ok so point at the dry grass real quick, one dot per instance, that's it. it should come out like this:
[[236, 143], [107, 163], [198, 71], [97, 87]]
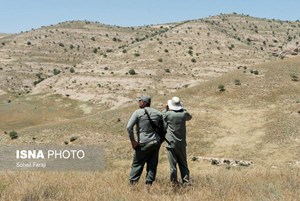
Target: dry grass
[[214, 183]]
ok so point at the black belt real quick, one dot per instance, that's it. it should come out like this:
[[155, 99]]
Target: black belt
[[148, 143]]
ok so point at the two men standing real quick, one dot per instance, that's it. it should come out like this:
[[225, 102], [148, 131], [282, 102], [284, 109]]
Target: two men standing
[[147, 145]]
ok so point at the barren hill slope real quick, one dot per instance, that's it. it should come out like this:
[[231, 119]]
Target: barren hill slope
[[91, 62], [256, 118]]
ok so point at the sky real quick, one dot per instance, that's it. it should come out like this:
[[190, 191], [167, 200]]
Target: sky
[[24, 15]]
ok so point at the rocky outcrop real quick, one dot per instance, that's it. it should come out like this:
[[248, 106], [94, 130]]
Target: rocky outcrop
[[223, 161]]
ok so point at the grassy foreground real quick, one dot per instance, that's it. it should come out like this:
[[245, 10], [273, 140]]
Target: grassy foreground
[[209, 183]]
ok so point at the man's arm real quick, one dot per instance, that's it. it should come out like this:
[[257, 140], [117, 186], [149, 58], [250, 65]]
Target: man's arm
[[188, 116], [130, 125]]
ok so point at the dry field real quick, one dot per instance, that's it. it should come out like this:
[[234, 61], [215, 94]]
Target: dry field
[[256, 118]]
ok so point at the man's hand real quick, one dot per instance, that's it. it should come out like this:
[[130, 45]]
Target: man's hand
[[134, 144]]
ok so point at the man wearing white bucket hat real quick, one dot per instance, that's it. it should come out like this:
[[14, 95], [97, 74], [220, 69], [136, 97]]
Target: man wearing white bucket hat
[[175, 117]]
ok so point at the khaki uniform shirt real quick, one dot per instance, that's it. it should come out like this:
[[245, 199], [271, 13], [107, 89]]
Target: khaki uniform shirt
[[144, 130], [175, 122]]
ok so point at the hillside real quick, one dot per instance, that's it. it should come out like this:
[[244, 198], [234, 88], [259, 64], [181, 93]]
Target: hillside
[[256, 120], [89, 61], [256, 117]]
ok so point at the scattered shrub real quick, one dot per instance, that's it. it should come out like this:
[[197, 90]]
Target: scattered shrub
[[193, 60], [160, 60], [13, 135], [167, 70], [237, 82], [72, 70], [294, 78], [56, 72], [221, 87], [132, 72]]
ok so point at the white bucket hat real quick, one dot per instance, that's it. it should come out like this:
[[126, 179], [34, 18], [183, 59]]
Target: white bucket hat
[[175, 104]]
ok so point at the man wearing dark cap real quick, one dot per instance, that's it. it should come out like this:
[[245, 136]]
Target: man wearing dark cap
[[147, 144]]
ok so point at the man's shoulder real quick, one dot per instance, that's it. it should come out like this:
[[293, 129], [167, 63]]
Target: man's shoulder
[[153, 110], [139, 111]]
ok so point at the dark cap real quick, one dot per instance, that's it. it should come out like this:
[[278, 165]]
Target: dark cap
[[144, 98]]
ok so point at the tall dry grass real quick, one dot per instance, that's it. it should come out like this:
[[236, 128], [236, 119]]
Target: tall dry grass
[[214, 183]]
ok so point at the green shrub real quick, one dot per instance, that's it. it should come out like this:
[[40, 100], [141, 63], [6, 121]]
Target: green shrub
[[137, 54], [294, 78], [13, 135], [167, 70], [56, 72], [160, 60], [132, 72], [237, 82], [72, 70], [221, 87], [193, 60]]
